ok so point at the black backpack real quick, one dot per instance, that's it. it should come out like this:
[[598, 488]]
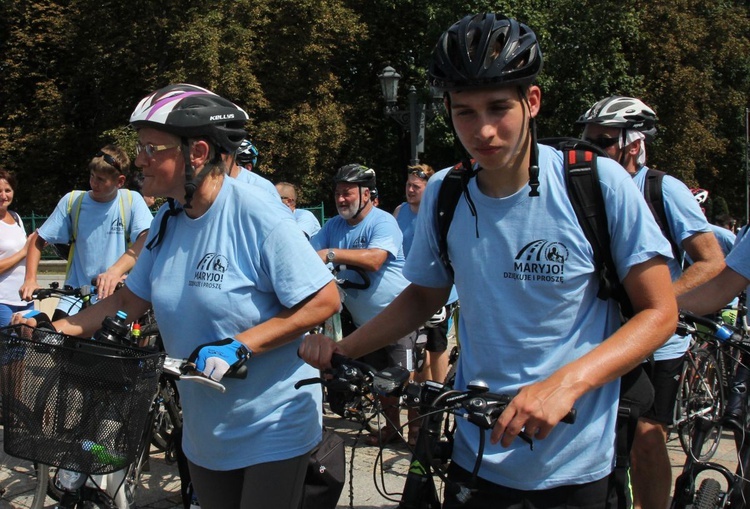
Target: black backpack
[[584, 190]]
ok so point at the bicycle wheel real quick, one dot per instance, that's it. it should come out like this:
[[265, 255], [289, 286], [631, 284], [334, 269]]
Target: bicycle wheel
[[707, 496], [40, 490], [701, 395]]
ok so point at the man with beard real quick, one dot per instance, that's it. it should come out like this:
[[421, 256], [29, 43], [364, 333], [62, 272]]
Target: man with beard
[[366, 237]]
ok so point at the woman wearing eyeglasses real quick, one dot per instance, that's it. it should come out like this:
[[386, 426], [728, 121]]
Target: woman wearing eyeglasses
[[105, 227], [232, 282]]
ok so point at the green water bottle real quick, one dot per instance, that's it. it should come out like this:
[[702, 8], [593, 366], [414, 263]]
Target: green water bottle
[[101, 454]]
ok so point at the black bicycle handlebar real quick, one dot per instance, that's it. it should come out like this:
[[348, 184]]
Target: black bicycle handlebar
[[346, 283], [720, 330]]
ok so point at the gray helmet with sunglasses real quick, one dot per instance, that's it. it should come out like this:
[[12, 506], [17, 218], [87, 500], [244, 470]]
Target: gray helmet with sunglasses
[[622, 113]]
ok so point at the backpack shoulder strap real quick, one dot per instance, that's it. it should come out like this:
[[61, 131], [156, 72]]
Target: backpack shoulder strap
[[75, 199], [16, 218], [74, 210], [126, 207], [652, 191], [585, 193], [451, 189]]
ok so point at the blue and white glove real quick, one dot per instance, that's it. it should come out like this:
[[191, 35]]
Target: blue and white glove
[[216, 358]]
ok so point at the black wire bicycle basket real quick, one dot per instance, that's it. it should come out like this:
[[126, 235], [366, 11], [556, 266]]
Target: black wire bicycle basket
[[74, 403]]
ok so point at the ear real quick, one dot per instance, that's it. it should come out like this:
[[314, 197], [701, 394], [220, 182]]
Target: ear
[[199, 153], [120, 181], [534, 96]]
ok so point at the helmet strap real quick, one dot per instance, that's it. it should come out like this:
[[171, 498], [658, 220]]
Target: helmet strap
[[534, 155], [190, 184], [361, 204]]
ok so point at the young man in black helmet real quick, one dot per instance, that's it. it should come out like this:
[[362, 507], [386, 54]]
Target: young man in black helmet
[[369, 238], [622, 126], [531, 324]]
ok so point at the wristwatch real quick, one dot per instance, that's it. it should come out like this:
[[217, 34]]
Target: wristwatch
[[330, 255]]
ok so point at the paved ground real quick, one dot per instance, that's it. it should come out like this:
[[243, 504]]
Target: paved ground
[[160, 489]]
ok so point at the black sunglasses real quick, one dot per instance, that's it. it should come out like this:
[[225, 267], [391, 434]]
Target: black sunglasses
[[602, 142], [420, 174], [110, 160]]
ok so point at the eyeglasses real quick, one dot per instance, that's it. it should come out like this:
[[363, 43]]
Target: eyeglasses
[[603, 142], [152, 150], [287, 199], [110, 160], [420, 174]]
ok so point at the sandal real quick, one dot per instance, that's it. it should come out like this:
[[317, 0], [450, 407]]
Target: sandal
[[382, 438]]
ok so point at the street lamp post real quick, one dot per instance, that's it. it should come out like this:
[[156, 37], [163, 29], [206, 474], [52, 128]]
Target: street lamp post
[[413, 119]]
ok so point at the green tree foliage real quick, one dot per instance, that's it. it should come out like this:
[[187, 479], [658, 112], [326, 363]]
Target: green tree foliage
[[306, 72]]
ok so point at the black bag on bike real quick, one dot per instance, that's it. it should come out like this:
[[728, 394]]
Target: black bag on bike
[[326, 471]]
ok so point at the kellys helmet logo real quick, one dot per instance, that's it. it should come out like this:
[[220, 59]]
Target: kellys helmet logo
[[209, 273], [540, 260]]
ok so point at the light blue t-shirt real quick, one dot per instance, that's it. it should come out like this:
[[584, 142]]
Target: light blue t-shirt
[[252, 178], [407, 220], [685, 219], [378, 230], [307, 221], [527, 289], [739, 258], [100, 240], [238, 265]]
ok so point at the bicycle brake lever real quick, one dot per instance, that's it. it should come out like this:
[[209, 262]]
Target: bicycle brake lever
[[308, 381]]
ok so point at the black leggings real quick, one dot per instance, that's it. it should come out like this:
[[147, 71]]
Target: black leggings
[[274, 484]]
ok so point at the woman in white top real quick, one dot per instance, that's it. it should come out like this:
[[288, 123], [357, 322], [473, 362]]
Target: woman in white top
[[12, 252]]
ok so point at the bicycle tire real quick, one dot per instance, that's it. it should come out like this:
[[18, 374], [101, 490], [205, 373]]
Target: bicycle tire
[[702, 393], [40, 490], [707, 496], [167, 419]]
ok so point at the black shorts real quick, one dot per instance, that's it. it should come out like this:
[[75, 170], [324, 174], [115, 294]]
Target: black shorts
[[665, 377], [593, 495]]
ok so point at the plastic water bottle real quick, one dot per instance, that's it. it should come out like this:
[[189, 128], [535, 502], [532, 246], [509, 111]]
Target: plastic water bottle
[[102, 455], [723, 333], [114, 329]]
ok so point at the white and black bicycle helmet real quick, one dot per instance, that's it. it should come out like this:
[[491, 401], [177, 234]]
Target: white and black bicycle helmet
[[485, 50], [700, 195], [622, 113]]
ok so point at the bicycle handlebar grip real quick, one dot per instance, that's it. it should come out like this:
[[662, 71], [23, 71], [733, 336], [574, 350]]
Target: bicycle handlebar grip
[[240, 372], [41, 293], [570, 418], [364, 285]]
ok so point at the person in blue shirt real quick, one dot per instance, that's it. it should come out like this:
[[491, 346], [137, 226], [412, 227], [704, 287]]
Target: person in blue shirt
[[364, 236], [232, 281], [105, 243], [305, 219], [622, 126], [531, 324]]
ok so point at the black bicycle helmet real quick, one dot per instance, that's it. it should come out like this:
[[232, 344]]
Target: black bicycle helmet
[[622, 113], [485, 50], [356, 174]]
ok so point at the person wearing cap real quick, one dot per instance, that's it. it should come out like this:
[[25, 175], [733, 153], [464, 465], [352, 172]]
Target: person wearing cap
[[232, 283], [105, 243], [622, 126], [531, 324]]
